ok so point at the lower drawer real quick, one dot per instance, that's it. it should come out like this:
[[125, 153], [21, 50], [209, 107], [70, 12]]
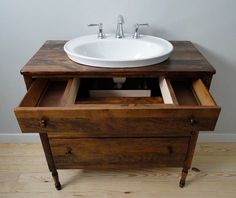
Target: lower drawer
[[118, 152]]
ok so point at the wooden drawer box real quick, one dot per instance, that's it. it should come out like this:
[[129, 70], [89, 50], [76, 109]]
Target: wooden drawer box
[[118, 152], [62, 106]]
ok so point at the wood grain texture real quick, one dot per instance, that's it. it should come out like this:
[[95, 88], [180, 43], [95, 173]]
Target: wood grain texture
[[188, 158], [114, 120], [52, 95], [70, 92], [34, 94], [50, 160], [119, 152], [124, 132], [51, 59], [172, 93], [122, 100], [117, 121], [202, 93], [24, 174]]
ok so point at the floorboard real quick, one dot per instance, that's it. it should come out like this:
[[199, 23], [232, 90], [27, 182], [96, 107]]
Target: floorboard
[[24, 173]]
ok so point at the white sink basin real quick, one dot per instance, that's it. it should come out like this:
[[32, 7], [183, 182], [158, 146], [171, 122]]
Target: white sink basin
[[118, 53]]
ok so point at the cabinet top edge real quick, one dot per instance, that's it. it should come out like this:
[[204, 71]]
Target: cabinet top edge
[[51, 60]]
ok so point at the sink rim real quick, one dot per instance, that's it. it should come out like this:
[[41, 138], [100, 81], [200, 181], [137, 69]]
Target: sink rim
[[110, 37]]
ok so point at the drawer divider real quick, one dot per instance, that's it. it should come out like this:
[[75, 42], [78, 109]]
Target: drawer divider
[[167, 91], [70, 92], [202, 93]]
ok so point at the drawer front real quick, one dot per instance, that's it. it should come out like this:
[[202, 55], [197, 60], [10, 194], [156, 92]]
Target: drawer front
[[122, 152], [54, 110]]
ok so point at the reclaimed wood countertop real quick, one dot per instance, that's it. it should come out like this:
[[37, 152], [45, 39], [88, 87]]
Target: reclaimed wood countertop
[[51, 59]]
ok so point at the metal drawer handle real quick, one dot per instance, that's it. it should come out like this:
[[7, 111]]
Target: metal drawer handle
[[43, 123]]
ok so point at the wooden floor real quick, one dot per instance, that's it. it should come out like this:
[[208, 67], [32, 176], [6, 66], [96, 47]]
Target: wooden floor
[[24, 173]]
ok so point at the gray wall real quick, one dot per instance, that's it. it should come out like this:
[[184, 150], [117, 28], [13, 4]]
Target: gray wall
[[26, 24]]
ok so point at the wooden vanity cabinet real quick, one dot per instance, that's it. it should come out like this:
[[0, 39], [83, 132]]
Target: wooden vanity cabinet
[[79, 131]]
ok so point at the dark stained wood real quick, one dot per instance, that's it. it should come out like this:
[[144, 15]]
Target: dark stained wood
[[53, 94], [117, 132], [28, 81], [184, 93], [188, 157], [116, 120], [34, 93], [67, 134], [51, 60], [119, 152], [50, 160], [122, 101], [207, 81]]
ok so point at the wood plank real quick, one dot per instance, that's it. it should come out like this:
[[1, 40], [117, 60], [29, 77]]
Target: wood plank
[[122, 101], [51, 59], [203, 94], [118, 152], [172, 93], [184, 93], [29, 176], [34, 93], [52, 94], [117, 120], [166, 95], [70, 93]]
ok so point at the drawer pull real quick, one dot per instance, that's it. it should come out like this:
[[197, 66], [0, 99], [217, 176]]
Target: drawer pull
[[43, 123], [68, 151], [192, 121], [170, 150]]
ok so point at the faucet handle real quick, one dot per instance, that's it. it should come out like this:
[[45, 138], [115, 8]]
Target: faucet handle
[[101, 34], [120, 19], [136, 31]]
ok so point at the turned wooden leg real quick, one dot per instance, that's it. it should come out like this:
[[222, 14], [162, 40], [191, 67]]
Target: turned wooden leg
[[56, 180], [188, 158], [183, 178], [50, 161]]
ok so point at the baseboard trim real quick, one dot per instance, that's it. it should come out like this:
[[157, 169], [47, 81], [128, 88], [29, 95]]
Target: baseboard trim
[[34, 138], [217, 137], [19, 138]]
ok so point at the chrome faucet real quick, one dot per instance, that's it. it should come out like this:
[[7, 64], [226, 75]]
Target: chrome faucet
[[120, 30], [136, 31], [101, 34]]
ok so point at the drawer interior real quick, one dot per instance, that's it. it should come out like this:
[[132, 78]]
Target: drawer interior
[[56, 93], [52, 94], [106, 91], [184, 93], [52, 105]]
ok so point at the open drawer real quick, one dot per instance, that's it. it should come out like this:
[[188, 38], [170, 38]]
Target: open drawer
[[66, 106]]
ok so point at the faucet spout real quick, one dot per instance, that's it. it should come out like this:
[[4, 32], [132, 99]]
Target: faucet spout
[[120, 30]]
